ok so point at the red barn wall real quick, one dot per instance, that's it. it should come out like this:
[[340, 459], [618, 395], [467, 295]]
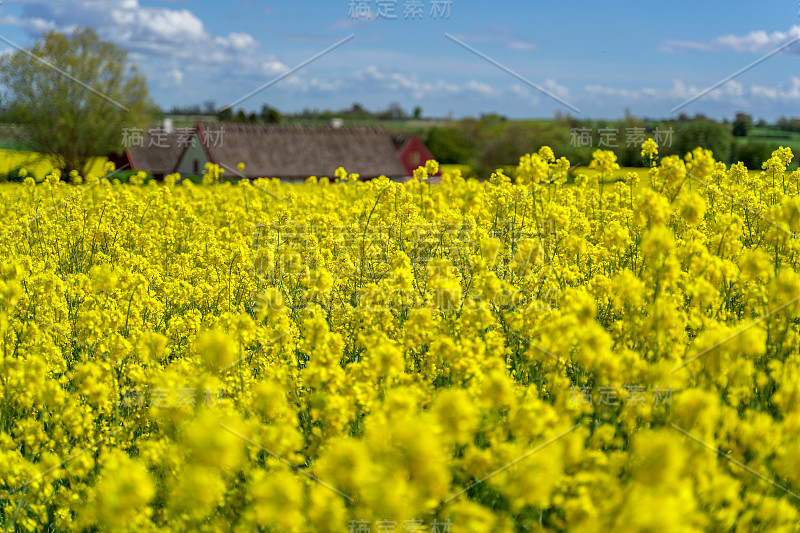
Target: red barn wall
[[414, 154]]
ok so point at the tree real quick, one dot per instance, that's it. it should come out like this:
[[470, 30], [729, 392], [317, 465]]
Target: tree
[[270, 115], [505, 146], [358, 110], [449, 145], [742, 124], [417, 112], [628, 154], [74, 96], [752, 153], [707, 134], [394, 112], [458, 142]]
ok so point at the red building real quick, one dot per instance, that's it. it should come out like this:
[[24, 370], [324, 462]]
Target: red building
[[411, 150]]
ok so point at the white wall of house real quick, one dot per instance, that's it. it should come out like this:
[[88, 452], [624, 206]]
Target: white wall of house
[[194, 159]]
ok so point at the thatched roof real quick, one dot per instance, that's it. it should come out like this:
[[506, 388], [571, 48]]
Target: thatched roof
[[158, 153], [400, 139], [297, 152]]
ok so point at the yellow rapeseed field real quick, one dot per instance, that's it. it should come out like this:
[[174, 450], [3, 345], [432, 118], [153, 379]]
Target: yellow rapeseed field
[[36, 165], [501, 356]]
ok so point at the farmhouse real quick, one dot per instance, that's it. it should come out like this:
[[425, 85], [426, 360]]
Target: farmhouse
[[291, 153], [155, 151]]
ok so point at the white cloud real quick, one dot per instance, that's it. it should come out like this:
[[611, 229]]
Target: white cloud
[[779, 94], [498, 34], [152, 31], [273, 68], [34, 25], [240, 42], [521, 45], [732, 92], [372, 76], [600, 90], [347, 24], [328, 86], [554, 87], [755, 42], [482, 89], [524, 93], [177, 76], [172, 46]]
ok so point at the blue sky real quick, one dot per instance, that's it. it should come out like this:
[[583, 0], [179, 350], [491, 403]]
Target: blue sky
[[598, 57]]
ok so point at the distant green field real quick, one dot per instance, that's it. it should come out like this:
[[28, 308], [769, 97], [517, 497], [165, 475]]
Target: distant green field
[[12, 144], [789, 139]]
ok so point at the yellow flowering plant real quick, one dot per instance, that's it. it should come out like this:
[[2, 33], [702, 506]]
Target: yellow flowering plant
[[515, 354]]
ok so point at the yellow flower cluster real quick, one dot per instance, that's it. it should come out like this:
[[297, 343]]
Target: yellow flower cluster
[[517, 354]]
